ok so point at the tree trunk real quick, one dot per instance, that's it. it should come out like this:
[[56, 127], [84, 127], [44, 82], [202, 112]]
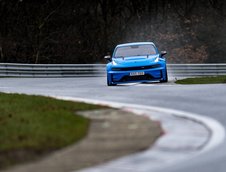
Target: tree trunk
[[1, 54], [37, 57]]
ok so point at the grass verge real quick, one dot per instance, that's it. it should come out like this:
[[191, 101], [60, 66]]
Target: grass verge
[[203, 80], [31, 126]]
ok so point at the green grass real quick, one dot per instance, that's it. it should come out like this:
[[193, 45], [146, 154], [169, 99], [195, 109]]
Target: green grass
[[203, 80], [35, 125]]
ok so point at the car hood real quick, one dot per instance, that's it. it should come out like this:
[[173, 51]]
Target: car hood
[[134, 60]]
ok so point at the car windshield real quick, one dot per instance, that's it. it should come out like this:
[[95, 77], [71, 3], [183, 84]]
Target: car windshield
[[135, 50]]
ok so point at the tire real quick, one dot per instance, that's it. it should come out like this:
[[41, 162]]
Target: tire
[[164, 79], [109, 83]]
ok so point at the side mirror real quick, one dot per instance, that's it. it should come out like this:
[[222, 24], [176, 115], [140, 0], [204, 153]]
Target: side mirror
[[163, 53], [108, 58]]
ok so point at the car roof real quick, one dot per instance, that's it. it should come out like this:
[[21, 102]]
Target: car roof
[[135, 43]]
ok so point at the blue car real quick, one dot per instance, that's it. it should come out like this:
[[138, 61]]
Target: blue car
[[136, 62]]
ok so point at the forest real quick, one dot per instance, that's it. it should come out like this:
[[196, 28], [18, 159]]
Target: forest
[[83, 31]]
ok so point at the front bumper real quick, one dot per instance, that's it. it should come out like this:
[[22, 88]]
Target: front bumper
[[124, 76]]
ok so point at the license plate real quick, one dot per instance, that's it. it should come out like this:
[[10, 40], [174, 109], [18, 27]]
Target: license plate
[[136, 73]]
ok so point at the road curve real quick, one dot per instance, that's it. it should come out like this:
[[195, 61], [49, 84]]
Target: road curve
[[206, 100]]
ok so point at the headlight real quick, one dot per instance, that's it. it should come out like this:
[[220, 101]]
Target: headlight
[[114, 63], [157, 59]]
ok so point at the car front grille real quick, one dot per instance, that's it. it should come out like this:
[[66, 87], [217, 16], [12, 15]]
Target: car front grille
[[136, 78], [136, 68]]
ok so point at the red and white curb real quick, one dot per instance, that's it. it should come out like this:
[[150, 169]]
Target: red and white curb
[[186, 135]]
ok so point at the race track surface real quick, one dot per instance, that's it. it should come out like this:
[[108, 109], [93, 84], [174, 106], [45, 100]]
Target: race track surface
[[206, 100]]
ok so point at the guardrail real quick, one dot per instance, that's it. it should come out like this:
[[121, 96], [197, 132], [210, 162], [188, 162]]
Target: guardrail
[[196, 70], [51, 70], [93, 70]]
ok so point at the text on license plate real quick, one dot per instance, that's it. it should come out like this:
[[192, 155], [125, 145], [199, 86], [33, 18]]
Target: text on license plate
[[136, 73]]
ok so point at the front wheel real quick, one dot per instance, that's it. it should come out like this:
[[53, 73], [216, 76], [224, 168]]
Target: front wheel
[[109, 83], [165, 79]]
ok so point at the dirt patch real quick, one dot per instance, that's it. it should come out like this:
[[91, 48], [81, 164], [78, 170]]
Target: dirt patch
[[20, 156], [112, 134]]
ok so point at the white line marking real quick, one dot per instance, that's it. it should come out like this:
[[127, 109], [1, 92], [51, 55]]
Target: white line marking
[[124, 164]]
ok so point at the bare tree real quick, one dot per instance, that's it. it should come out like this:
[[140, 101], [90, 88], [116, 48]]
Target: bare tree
[[40, 39], [184, 7], [219, 6]]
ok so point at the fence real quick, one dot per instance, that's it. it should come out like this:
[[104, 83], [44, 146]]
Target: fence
[[93, 70]]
